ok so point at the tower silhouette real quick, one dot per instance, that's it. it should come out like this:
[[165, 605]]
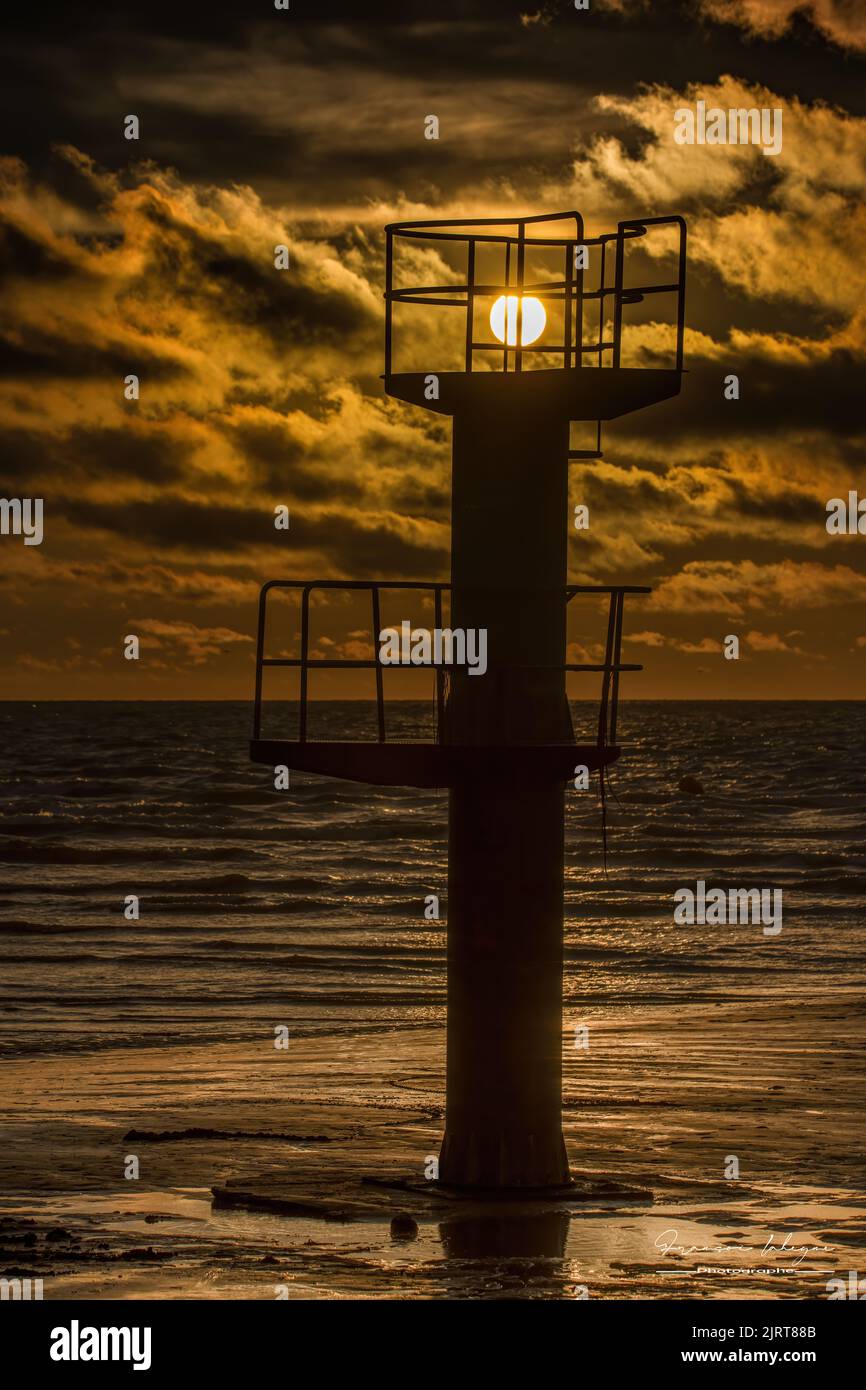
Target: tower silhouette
[[505, 745]]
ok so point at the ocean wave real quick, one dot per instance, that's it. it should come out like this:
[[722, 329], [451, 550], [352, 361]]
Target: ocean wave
[[311, 901], [23, 852]]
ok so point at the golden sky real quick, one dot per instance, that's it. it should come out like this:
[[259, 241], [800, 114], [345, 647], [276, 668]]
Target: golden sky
[[261, 387]]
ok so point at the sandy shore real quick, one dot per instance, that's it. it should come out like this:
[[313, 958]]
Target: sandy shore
[[661, 1101]]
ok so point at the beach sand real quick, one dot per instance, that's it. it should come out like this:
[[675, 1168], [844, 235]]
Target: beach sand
[[661, 1101]]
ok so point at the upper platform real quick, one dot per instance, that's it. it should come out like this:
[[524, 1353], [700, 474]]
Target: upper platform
[[531, 311], [573, 393]]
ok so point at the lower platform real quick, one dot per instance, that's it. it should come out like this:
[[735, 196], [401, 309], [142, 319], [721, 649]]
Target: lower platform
[[431, 764]]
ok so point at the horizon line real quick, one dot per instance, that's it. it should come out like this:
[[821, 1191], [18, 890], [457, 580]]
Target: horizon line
[[423, 700]]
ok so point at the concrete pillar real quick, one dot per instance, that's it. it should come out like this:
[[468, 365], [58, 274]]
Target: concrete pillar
[[505, 882]]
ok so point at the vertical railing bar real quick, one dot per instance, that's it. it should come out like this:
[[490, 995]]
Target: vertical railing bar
[[617, 295], [389, 271], [305, 641], [681, 297], [470, 302], [521, 277], [569, 272], [260, 652], [578, 325], [601, 302], [507, 287], [617, 649], [380, 689], [605, 684], [440, 674]]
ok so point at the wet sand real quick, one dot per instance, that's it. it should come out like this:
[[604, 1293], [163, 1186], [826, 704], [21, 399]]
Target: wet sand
[[660, 1103]]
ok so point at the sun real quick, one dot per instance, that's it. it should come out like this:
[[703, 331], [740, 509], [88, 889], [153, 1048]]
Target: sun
[[503, 319]]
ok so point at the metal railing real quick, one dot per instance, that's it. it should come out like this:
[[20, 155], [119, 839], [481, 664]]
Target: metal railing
[[570, 289], [610, 669]]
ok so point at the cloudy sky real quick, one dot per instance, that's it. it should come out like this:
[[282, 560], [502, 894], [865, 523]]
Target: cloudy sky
[[261, 387]]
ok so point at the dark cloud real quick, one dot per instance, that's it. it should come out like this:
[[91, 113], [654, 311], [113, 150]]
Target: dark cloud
[[45, 355], [420, 497], [175, 523], [775, 398], [369, 548], [89, 455], [369, 73], [281, 464], [21, 256], [261, 387], [243, 286]]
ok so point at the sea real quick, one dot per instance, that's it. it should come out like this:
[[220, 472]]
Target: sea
[[308, 904]]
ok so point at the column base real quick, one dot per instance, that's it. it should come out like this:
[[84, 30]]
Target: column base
[[504, 1160]]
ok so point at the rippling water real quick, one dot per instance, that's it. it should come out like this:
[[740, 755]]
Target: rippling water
[[311, 900]]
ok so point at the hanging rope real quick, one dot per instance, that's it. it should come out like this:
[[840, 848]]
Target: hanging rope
[[601, 784], [605, 782]]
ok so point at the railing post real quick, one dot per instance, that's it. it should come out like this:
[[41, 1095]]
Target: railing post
[[569, 272], [389, 272], [470, 301], [507, 287], [681, 294], [577, 306], [521, 277], [260, 652], [602, 300], [617, 294]]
